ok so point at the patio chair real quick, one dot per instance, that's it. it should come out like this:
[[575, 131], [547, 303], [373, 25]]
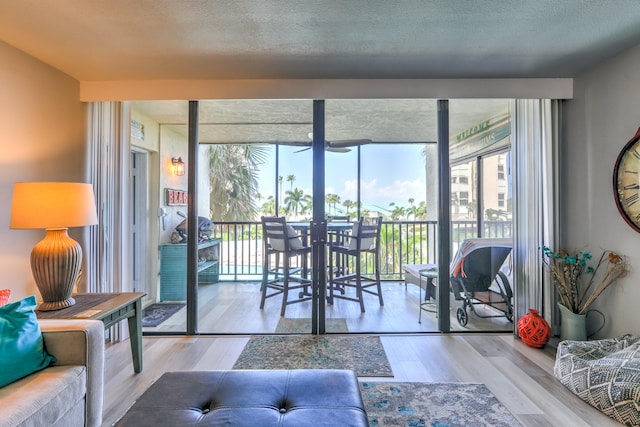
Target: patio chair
[[282, 241], [364, 239]]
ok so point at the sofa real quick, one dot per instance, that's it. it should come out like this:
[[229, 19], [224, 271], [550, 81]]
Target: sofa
[[70, 391]]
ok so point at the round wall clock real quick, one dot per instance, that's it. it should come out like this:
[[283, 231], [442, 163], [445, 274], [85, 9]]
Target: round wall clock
[[626, 182]]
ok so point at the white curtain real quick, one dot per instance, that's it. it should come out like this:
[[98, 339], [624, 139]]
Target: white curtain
[[107, 253], [536, 205]]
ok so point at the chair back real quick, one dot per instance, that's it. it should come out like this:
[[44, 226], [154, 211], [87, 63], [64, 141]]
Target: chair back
[[365, 235], [277, 235]]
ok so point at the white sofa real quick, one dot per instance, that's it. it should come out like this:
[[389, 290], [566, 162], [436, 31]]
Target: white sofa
[[68, 393]]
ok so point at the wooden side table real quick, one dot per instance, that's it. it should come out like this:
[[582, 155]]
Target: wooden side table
[[110, 308]]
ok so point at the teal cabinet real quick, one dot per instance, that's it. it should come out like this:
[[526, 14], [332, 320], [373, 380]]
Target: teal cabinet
[[173, 268]]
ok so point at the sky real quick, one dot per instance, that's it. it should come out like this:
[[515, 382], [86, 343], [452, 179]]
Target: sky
[[387, 175]]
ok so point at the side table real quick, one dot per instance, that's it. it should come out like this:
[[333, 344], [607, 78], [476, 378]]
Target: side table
[[428, 274], [110, 308]]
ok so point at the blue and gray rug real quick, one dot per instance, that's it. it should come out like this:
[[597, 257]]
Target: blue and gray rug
[[288, 325], [433, 405], [362, 354]]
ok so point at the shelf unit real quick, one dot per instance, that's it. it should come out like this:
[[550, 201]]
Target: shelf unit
[[173, 268]]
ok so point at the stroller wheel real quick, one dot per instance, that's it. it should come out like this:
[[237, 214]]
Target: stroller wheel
[[461, 314]]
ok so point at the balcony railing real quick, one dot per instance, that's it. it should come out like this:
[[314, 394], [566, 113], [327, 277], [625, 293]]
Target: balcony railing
[[402, 242]]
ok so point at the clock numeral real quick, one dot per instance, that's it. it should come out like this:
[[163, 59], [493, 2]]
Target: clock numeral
[[632, 199], [633, 172], [632, 187], [635, 153], [637, 218]]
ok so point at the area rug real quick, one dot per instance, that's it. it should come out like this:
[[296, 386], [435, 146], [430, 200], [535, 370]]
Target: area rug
[[155, 314], [362, 354], [303, 325], [433, 405]]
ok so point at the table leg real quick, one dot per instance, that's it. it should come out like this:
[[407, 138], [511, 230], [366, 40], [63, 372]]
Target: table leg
[[135, 336]]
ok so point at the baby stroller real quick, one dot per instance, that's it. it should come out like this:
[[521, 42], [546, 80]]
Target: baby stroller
[[477, 279]]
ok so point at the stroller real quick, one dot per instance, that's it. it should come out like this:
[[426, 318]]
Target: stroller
[[477, 279]]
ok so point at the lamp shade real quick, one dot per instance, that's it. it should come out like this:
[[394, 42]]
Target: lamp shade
[[52, 205]]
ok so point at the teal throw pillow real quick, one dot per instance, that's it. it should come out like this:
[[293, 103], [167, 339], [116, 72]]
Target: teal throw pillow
[[21, 345]]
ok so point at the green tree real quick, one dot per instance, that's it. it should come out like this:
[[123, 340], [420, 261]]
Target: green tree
[[290, 179], [233, 181], [397, 213], [348, 204], [332, 200], [307, 204], [293, 200], [269, 207]]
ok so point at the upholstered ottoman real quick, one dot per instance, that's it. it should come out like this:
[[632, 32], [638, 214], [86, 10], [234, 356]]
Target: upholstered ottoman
[[604, 373], [295, 398]]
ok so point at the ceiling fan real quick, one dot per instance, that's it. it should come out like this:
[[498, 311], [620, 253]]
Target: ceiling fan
[[338, 146]]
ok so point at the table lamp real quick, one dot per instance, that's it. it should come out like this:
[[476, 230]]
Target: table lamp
[[57, 259]]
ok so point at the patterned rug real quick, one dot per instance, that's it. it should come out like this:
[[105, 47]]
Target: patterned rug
[[303, 325], [362, 354], [155, 314], [433, 405]]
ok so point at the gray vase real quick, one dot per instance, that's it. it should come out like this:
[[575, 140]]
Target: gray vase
[[572, 326]]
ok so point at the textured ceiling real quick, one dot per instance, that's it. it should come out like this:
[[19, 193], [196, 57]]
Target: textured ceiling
[[94, 40], [107, 40]]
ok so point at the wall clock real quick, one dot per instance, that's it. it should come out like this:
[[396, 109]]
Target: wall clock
[[626, 182]]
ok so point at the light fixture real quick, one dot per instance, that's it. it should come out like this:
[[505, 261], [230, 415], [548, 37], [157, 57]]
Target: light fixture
[[55, 260], [178, 166]]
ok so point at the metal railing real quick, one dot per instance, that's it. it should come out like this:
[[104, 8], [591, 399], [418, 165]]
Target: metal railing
[[401, 242]]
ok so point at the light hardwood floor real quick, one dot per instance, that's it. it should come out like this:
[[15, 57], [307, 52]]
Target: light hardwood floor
[[521, 377], [233, 308]]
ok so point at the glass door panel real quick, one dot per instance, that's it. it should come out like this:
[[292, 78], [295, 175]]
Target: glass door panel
[[481, 221], [385, 168], [254, 161]]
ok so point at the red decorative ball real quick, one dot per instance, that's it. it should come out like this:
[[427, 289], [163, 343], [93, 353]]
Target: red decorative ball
[[533, 329]]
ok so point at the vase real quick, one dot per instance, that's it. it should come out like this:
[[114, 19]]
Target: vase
[[533, 330], [573, 326]]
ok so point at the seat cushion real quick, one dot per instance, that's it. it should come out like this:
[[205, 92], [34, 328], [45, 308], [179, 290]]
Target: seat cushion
[[44, 398], [603, 373]]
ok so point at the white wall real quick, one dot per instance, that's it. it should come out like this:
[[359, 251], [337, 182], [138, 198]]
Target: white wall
[[42, 138], [603, 115]]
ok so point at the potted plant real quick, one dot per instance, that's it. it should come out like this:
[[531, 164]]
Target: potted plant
[[567, 271]]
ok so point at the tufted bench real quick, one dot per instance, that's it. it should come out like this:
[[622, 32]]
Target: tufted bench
[[295, 398]]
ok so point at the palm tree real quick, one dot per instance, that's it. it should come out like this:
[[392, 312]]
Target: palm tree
[[269, 207], [420, 210], [290, 179], [348, 204], [307, 204], [332, 200], [293, 200], [233, 181], [397, 212]]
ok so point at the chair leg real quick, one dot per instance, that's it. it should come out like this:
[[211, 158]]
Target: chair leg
[[377, 267], [330, 299], [265, 279], [359, 285], [285, 285]]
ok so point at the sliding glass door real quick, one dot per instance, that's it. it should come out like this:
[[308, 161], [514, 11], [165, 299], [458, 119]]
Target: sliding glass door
[[317, 162]]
